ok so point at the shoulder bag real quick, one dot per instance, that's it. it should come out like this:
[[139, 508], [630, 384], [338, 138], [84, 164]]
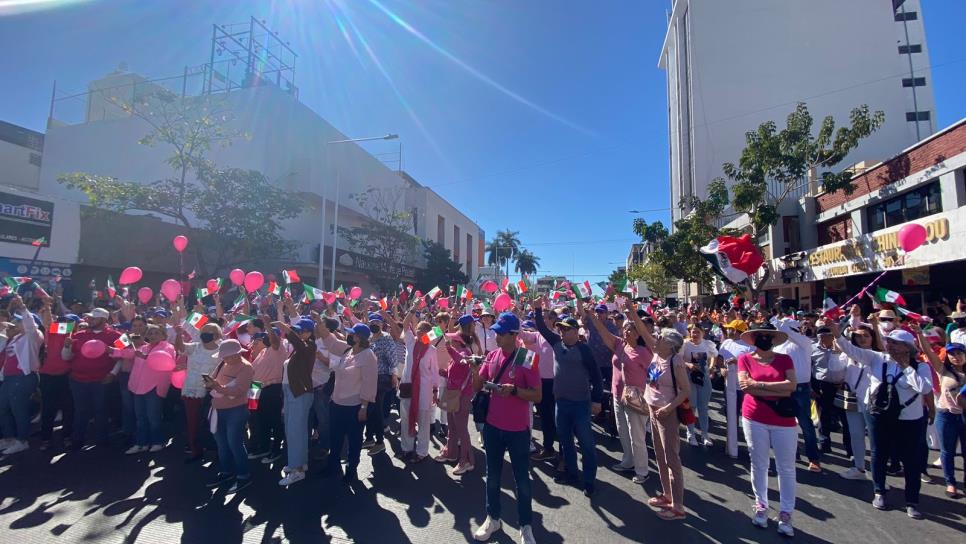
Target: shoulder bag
[[685, 412], [845, 398], [450, 400], [481, 400]]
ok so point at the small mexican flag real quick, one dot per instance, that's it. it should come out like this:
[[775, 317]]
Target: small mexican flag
[[291, 276], [460, 291], [219, 282], [434, 292], [504, 283], [312, 293], [122, 342], [196, 320], [486, 306], [383, 303], [237, 322], [581, 290], [832, 310], [340, 292], [886, 295], [62, 328], [239, 303], [274, 288], [201, 293], [16, 281], [39, 241], [912, 315], [433, 335], [111, 290], [521, 286], [526, 359]]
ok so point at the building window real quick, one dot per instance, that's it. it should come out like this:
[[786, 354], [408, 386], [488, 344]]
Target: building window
[[906, 16], [34, 159], [906, 207], [441, 230], [917, 116], [469, 254], [907, 49], [456, 243], [914, 82]]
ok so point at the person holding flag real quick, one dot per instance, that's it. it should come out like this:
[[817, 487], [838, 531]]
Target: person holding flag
[[462, 346], [384, 344], [149, 387], [20, 344], [418, 387], [54, 381], [198, 362], [547, 407], [268, 367], [298, 390]]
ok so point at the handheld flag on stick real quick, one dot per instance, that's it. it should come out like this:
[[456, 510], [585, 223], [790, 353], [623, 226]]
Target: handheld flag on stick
[[61, 328], [434, 292], [885, 295], [39, 241], [432, 335], [111, 290], [581, 290], [122, 342], [291, 276], [312, 293], [196, 320]]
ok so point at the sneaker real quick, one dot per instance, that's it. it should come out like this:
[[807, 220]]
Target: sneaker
[[707, 443], [463, 469], [257, 455], [156, 448], [377, 449], [291, 478], [134, 450], [240, 484], [760, 519], [879, 502], [17, 447], [544, 455], [489, 527], [368, 443], [785, 524], [938, 462], [925, 478], [526, 535], [639, 478], [814, 467], [913, 512], [621, 467], [444, 459], [220, 479], [692, 440], [854, 474]]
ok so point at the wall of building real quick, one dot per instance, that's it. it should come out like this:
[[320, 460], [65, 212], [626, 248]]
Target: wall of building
[[21, 152]]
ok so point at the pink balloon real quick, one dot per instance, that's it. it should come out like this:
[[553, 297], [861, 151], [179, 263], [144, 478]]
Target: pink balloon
[[178, 377], [212, 285], [253, 280], [912, 236], [145, 294], [170, 289], [180, 242], [237, 276], [488, 286], [92, 349], [131, 274], [502, 302], [160, 361], [329, 298], [355, 292], [443, 303]]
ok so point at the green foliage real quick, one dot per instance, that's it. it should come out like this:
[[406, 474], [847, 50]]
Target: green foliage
[[440, 268], [503, 248], [384, 234], [526, 262], [617, 277], [655, 276], [653, 232]]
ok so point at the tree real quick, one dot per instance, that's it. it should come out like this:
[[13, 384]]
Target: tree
[[235, 214], [503, 248], [654, 275], [440, 269], [385, 234], [526, 262], [617, 277]]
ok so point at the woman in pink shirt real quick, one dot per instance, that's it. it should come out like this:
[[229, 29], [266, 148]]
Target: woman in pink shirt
[[768, 380], [461, 347], [149, 387]]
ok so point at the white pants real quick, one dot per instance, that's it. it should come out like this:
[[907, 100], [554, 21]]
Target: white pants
[[761, 439], [423, 421], [631, 427], [731, 410], [856, 422]]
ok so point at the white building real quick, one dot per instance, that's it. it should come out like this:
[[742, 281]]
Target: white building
[[736, 64]]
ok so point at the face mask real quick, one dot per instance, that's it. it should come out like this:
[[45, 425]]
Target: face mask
[[207, 337], [266, 342], [886, 326], [374, 328], [764, 342], [350, 340]]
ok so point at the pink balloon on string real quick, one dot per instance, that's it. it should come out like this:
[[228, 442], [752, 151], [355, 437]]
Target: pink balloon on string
[[180, 242], [355, 293], [178, 377], [131, 274], [912, 236], [253, 280], [92, 349], [170, 289], [502, 302], [489, 286], [160, 361], [212, 285], [145, 294], [237, 276]]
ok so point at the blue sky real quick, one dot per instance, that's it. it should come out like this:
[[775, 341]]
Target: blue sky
[[545, 116]]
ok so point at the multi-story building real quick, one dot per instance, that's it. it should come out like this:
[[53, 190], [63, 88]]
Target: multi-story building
[[734, 65]]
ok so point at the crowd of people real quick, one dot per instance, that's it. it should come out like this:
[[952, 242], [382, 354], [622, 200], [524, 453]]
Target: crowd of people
[[274, 375]]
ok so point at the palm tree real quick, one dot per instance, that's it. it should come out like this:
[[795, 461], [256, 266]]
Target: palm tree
[[526, 262], [504, 247]]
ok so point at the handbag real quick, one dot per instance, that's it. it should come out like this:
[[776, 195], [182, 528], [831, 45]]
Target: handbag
[[633, 399], [451, 399], [685, 412], [845, 398], [481, 400], [406, 390]]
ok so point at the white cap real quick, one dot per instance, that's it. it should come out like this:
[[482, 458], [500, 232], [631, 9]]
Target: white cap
[[100, 313]]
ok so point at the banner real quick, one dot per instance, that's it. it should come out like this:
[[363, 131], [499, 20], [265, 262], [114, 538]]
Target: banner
[[24, 220]]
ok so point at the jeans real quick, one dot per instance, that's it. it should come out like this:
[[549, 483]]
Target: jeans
[[803, 397], [320, 406], [193, 409], [147, 410], [345, 427], [297, 427], [128, 415], [90, 400], [857, 427], [497, 442], [546, 408], [266, 422], [904, 437], [230, 437], [829, 414], [761, 439], [573, 419], [700, 397], [375, 422], [15, 392], [631, 427], [952, 431], [55, 397]]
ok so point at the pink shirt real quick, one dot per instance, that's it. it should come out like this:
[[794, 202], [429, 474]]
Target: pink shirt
[[630, 366], [458, 373], [660, 384], [753, 409], [145, 379], [269, 363], [509, 413], [533, 341], [355, 373], [10, 363]]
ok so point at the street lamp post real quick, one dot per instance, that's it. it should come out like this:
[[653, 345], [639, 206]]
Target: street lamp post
[[338, 191]]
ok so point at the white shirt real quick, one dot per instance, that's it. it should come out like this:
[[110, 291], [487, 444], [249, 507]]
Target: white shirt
[[910, 381], [695, 353], [857, 378], [731, 349], [428, 370], [486, 336], [799, 348], [200, 361], [320, 372]]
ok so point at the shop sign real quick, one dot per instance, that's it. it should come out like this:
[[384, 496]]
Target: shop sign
[[24, 220]]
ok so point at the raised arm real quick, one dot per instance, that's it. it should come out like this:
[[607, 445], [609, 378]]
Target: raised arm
[[865, 357], [639, 325], [551, 337], [609, 339]]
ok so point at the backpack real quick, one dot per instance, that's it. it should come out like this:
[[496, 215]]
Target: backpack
[[885, 399]]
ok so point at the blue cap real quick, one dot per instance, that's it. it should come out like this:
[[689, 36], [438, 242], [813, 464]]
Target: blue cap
[[304, 324], [506, 323], [528, 324], [72, 317], [465, 320], [126, 326], [33, 315], [159, 312], [531, 315], [600, 308], [360, 330], [955, 346], [373, 316]]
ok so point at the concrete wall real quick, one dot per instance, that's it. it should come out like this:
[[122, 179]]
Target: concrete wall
[[17, 168]]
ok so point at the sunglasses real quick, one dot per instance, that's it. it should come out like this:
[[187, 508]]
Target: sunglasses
[[886, 319], [505, 333]]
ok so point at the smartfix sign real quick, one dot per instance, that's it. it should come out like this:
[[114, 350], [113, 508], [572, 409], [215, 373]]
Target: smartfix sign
[[24, 220]]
